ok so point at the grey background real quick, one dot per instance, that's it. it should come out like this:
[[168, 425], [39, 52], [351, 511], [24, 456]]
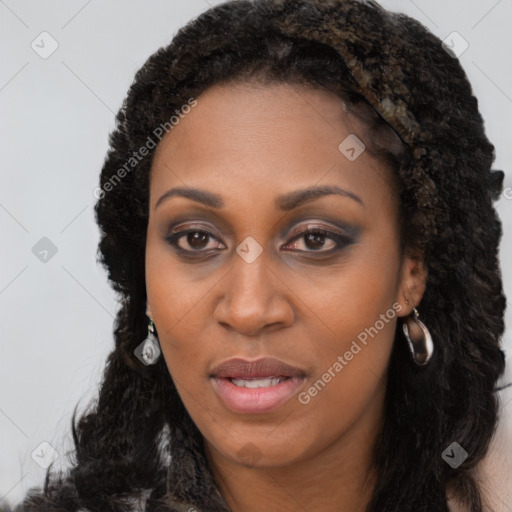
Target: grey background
[[57, 316]]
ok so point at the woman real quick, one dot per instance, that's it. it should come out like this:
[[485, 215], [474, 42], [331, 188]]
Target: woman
[[297, 213]]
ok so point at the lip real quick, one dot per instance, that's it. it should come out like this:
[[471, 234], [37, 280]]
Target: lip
[[265, 367], [255, 400]]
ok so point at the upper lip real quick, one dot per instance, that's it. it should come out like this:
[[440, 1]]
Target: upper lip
[[265, 367]]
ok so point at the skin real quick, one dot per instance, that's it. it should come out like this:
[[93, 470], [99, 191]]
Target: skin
[[250, 144]]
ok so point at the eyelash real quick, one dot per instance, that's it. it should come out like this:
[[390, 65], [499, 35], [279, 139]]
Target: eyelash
[[341, 240]]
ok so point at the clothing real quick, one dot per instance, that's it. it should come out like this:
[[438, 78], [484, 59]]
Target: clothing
[[495, 470]]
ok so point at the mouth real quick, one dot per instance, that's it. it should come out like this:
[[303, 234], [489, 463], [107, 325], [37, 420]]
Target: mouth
[[258, 383], [250, 387]]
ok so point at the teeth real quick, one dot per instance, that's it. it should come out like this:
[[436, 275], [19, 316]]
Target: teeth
[[257, 383]]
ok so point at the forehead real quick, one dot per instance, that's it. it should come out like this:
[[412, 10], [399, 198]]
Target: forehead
[[249, 138], [260, 109]]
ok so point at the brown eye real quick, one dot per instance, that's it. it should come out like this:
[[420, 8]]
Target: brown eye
[[319, 240], [194, 240]]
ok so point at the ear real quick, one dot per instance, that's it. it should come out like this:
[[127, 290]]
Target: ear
[[413, 282], [148, 311]]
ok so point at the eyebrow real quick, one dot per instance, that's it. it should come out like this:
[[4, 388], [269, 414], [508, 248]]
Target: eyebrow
[[284, 202]]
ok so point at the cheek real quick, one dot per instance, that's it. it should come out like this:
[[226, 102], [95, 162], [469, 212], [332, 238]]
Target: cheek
[[173, 295], [181, 305], [358, 312], [177, 309], [351, 297]]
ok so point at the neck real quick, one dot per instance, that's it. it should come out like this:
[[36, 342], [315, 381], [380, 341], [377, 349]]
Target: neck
[[341, 477]]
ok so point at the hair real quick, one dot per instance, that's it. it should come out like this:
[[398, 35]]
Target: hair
[[447, 213]]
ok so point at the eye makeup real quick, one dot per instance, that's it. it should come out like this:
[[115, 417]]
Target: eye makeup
[[315, 235]]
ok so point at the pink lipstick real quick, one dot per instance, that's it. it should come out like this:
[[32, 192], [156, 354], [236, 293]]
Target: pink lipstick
[[259, 386]]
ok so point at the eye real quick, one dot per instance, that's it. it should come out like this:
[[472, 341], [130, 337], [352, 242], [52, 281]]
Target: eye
[[194, 239], [317, 239]]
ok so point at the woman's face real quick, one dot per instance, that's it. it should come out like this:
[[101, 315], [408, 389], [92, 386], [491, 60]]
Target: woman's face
[[232, 272]]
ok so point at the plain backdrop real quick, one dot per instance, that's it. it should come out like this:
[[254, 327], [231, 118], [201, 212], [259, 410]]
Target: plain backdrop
[[56, 114]]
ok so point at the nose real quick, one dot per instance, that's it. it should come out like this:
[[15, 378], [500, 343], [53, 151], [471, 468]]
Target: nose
[[255, 298]]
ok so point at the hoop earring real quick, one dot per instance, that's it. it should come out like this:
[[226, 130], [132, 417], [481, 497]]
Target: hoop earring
[[149, 351], [418, 338]]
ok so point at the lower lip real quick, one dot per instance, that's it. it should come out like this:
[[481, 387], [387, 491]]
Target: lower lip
[[255, 400]]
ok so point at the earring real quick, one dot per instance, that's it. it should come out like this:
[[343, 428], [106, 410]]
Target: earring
[[418, 338], [149, 350]]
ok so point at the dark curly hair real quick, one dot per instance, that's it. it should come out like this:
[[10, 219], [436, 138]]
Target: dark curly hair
[[422, 120]]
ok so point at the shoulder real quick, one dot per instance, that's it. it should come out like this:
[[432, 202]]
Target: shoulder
[[495, 470]]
